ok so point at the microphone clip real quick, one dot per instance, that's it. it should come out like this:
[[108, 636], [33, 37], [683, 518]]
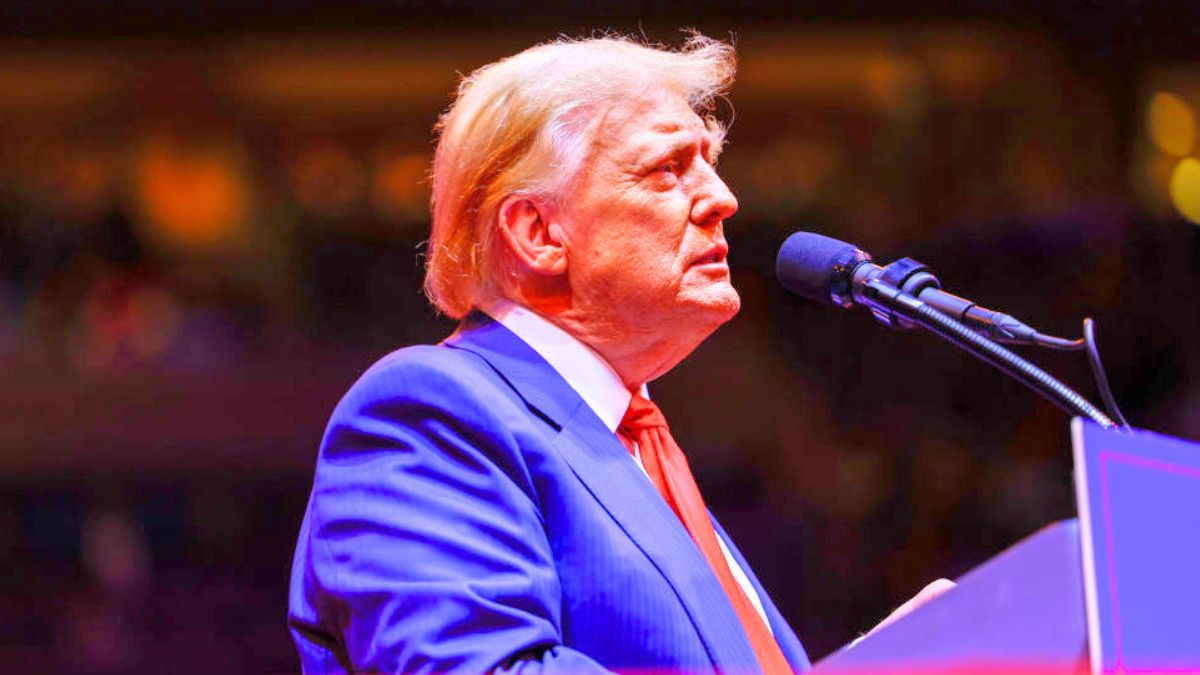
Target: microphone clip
[[905, 276]]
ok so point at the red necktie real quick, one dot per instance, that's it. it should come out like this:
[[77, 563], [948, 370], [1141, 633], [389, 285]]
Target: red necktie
[[669, 471]]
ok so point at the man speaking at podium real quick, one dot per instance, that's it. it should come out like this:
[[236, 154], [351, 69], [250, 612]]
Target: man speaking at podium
[[510, 499]]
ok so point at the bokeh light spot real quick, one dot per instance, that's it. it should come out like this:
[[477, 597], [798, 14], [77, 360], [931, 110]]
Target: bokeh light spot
[[193, 198], [896, 85], [1172, 124], [327, 179], [400, 189], [1185, 189]]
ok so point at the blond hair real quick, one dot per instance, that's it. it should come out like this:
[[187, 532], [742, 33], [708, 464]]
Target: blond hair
[[521, 126]]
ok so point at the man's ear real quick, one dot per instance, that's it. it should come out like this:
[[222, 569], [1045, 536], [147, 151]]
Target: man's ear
[[532, 236]]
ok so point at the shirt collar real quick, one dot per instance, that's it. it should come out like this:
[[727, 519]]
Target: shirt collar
[[586, 371]]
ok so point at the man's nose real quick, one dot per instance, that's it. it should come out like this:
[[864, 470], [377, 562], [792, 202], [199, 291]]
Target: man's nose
[[714, 200]]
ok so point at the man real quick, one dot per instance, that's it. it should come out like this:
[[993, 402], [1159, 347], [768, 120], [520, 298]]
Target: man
[[510, 499]]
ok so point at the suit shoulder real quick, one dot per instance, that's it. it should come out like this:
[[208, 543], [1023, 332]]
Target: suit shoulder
[[430, 374], [428, 360], [425, 408]]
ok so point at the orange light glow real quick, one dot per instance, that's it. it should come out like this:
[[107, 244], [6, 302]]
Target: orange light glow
[[1172, 124], [400, 186], [327, 179], [895, 84], [191, 198], [1185, 189]]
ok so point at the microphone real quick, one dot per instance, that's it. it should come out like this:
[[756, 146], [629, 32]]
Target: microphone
[[834, 272]]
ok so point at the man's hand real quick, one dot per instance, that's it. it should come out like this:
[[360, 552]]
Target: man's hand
[[928, 593]]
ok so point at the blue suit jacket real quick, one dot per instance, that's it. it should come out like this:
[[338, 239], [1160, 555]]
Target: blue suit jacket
[[470, 512]]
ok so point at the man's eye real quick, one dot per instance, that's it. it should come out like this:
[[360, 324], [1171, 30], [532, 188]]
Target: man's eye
[[669, 167]]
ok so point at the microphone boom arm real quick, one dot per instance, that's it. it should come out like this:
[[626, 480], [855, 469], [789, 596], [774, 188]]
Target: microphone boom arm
[[881, 296]]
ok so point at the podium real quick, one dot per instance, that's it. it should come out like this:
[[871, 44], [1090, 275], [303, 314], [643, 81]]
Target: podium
[[1115, 590]]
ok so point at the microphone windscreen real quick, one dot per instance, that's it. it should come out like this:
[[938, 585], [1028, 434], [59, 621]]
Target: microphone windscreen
[[815, 266]]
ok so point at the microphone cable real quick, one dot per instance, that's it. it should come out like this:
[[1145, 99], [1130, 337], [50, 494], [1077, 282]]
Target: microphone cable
[[1087, 344]]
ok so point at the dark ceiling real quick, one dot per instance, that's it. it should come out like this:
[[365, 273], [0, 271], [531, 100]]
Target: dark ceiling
[[1113, 31]]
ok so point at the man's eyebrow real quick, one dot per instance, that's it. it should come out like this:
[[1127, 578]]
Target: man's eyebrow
[[716, 135], [714, 139], [667, 127]]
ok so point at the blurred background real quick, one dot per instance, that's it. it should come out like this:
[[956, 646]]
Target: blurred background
[[211, 217]]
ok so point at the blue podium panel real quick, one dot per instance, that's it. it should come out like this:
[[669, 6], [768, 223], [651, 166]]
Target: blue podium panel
[[1139, 506], [1023, 609]]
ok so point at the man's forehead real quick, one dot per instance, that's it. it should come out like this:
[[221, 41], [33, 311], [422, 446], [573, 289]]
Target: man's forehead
[[654, 120], [659, 110]]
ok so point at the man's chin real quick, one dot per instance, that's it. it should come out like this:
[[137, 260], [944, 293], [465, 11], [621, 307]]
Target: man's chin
[[716, 307]]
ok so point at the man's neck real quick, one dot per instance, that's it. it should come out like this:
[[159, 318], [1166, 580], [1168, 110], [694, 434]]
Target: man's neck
[[638, 352], [638, 355]]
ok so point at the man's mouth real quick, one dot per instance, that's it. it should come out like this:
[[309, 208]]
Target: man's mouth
[[717, 255]]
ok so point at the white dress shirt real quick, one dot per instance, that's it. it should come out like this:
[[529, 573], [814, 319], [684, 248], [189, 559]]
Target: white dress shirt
[[597, 384]]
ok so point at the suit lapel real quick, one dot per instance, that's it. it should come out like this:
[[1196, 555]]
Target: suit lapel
[[603, 465], [789, 644], [534, 380]]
